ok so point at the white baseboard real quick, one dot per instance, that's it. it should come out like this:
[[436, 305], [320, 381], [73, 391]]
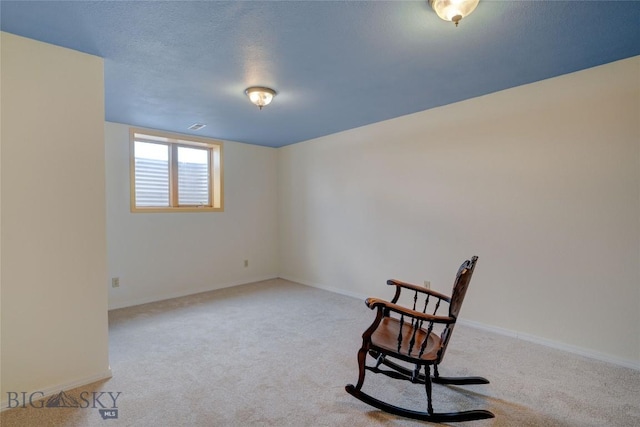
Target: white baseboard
[[185, 292], [592, 354], [326, 288], [50, 391]]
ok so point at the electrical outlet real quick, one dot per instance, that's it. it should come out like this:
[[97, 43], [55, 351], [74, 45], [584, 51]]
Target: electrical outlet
[[115, 282], [427, 284], [246, 263]]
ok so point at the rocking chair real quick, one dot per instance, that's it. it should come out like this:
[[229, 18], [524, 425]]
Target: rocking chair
[[419, 338]]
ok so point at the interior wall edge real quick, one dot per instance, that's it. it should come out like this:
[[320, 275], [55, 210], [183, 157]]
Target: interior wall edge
[[187, 292], [51, 390]]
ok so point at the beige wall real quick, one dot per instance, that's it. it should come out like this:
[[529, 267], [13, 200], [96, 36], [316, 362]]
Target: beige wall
[[54, 288], [542, 182], [164, 255]]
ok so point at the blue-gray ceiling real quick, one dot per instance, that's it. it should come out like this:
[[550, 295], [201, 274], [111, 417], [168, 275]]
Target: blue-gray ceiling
[[336, 65]]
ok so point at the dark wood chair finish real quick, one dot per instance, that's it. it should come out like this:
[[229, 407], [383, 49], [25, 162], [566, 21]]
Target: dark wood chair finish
[[419, 336]]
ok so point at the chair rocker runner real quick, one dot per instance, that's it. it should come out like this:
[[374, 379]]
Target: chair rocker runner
[[419, 336]]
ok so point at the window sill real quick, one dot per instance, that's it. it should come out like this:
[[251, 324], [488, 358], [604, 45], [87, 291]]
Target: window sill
[[176, 210]]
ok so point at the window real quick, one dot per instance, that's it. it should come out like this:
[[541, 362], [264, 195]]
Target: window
[[172, 173]]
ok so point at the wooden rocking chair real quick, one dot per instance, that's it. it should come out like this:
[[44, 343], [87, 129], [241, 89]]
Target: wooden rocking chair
[[418, 336]]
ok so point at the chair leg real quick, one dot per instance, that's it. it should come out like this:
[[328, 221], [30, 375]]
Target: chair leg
[[362, 357], [415, 376], [427, 386], [379, 359]]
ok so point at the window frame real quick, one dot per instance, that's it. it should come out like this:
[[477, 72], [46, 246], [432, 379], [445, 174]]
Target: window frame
[[173, 141]]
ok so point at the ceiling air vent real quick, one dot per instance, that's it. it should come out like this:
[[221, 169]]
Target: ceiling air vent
[[196, 126]]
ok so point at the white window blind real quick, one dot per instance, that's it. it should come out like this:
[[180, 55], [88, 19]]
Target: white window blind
[[193, 176], [151, 174]]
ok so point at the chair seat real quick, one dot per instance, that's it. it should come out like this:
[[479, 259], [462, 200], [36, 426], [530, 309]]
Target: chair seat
[[385, 337]]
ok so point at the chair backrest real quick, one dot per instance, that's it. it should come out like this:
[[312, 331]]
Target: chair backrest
[[460, 285]]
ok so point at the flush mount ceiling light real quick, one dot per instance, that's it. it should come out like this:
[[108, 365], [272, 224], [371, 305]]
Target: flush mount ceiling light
[[453, 10], [260, 96]]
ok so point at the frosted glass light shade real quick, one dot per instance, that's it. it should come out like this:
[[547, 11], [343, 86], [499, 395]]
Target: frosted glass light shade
[[453, 10], [260, 96]]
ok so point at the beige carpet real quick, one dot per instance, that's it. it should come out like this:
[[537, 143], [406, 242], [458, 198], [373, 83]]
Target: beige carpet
[[276, 353]]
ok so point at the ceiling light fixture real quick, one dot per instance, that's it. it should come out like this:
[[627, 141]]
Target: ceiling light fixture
[[260, 96], [453, 10]]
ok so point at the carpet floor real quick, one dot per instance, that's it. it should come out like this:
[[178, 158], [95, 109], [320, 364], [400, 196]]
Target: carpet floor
[[276, 353]]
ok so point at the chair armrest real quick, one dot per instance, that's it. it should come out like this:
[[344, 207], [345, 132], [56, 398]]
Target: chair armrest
[[424, 290], [382, 304]]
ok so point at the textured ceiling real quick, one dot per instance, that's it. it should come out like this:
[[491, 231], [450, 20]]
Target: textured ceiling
[[335, 65]]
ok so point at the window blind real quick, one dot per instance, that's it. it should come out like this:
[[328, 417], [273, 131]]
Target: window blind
[[151, 174], [193, 176]]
